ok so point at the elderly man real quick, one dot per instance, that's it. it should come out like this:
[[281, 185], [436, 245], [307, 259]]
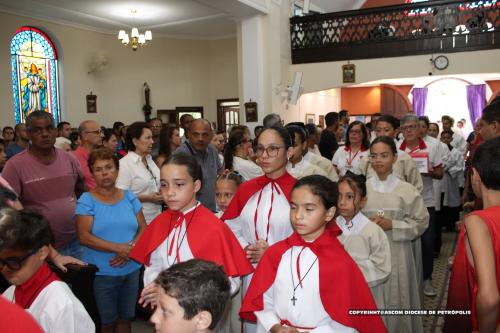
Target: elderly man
[[46, 179], [430, 161], [272, 119], [91, 137], [198, 145]]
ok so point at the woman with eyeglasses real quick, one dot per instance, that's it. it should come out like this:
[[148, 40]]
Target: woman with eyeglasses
[[109, 221], [259, 214], [138, 172], [398, 208], [347, 158], [236, 155]]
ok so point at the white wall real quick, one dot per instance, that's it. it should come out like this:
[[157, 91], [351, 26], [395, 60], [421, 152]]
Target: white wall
[[179, 73], [318, 103], [327, 75]]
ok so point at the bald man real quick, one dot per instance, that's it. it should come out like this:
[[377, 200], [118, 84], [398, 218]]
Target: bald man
[[198, 145], [91, 136]]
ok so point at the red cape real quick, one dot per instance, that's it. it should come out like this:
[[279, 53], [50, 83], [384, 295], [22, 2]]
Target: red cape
[[459, 296], [16, 320], [208, 238], [249, 188], [342, 285], [463, 286]]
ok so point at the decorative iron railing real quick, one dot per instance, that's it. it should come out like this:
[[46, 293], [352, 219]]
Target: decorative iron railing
[[401, 30]]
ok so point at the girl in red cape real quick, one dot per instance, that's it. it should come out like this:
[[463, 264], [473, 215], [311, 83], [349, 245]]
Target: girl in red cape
[[308, 281], [475, 279], [186, 230], [259, 213]]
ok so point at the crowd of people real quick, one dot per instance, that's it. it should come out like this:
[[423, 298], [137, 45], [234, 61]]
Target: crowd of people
[[291, 228]]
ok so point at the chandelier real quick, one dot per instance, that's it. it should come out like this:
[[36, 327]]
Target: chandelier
[[136, 39]]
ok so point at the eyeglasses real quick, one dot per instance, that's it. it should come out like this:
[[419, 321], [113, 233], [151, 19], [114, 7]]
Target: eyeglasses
[[272, 151], [94, 132], [409, 127], [15, 263], [383, 156], [39, 130]]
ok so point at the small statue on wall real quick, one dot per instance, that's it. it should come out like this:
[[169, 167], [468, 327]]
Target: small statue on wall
[[147, 106]]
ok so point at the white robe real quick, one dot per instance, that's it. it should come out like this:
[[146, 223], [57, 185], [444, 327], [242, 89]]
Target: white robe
[[324, 164], [369, 247], [454, 165], [344, 160], [304, 168], [403, 204], [308, 310], [57, 310], [247, 169], [161, 260], [279, 226]]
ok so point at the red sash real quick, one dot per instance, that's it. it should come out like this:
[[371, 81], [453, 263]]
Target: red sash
[[249, 188]]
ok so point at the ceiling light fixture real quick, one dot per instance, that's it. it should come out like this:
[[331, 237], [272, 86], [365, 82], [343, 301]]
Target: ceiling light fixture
[[136, 39]]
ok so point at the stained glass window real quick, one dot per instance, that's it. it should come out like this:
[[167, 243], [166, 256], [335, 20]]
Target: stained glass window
[[34, 74]]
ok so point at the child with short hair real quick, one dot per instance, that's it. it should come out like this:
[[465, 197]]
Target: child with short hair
[[475, 279], [365, 241], [226, 186], [193, 296], [25, 237], [308, 282]]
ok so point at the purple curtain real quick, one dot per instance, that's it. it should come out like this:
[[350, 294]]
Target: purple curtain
[[476, 101], [419, 100]]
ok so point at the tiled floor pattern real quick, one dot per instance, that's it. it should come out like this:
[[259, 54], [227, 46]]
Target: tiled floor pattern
[[441, 275]]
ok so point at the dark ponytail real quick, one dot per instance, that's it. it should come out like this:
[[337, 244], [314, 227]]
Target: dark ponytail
[[236, 137]]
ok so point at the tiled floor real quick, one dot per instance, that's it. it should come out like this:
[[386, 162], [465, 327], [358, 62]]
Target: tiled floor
[[432, 324], [441, 275]]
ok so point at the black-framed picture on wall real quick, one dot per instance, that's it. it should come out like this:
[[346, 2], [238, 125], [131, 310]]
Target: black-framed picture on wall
[[91, 103], [251, 112]]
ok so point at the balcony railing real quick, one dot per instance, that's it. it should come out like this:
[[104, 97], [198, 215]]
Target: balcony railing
[[401, 30]]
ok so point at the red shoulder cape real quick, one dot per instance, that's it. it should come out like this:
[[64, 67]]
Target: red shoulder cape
[[16, 320], [342, 285], [208, 237], [463, 282], [249, 188]]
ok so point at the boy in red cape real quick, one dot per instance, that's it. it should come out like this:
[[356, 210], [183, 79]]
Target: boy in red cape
[[308, 281], [475, 279]]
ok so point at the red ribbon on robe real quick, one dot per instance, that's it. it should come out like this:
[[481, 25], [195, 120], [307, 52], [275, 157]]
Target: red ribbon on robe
[[249, 188]]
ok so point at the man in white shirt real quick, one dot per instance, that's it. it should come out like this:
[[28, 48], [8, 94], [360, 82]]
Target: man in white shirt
[[430, 164]]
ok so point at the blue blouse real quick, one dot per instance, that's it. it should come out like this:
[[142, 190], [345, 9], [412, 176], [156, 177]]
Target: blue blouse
[[115, 223]]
